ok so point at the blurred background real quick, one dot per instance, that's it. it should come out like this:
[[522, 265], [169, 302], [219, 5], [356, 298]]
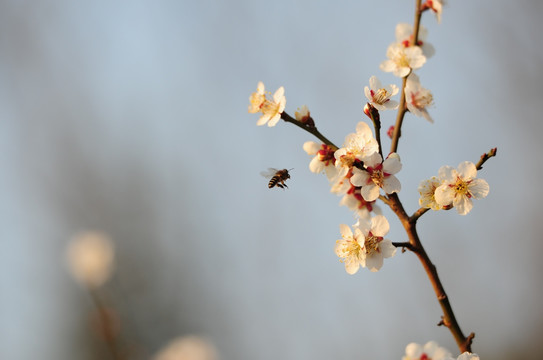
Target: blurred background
[[130, 118]]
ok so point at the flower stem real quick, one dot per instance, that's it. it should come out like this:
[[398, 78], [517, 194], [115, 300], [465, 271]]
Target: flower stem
[[107, 328], [310, 129], [402, 109], [373, 114]]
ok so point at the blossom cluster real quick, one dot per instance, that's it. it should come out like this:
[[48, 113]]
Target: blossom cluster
[[357, 171], [361, 172], [271, 108], [403, 58], [432, 351], [453, 188]]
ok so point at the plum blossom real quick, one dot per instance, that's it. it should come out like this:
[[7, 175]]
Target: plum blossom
[[427, 189], [355, 202], [302, 113], [90, 256], [366, 247], [401, 59], [379, 95], [460, 186], [437, 7], [378, 174], [404, 36], [430, 351], [357, 147], [188, 347], [323, 160], [418, 98], [468, 356], [271, 108]]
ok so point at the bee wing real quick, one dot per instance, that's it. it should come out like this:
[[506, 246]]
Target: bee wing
[[269, 173]]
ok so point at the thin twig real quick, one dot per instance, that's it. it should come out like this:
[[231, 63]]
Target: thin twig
[[402, 109], [373, 114], [310, 129], [485, 157]]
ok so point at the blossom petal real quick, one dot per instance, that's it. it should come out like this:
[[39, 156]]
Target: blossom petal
[[467, 170], [401, 72], [311, 147], [274, 120], [345, 231], [468, 356], [316, 166], [444, 195], [364, 226], [263, 119], [260, 88], [375, 262], [364, 129], [391, 184], [478, 188], [360, 177], [413, 351], [387, 249], [430, 347], [379, 225], [370, 192], [368, 93], [339, 248], [375, 83], [392, 164], [351, 266], [447, 174], [387, 66], [391, 104], [463, 204], [373, 160], [277, 97]]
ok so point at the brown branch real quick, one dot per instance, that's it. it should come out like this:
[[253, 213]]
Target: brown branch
[[485, 157], [404, 245], [107, 328], [373, 114], [310, 128], [449, 319], [402, 109]]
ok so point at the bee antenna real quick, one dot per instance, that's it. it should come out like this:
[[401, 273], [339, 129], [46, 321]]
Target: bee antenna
[[290, 169]]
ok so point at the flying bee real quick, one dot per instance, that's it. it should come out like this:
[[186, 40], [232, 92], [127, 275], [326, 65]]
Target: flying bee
[[278, 177]]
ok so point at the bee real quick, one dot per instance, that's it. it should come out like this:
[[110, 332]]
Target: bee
[[278, 177]]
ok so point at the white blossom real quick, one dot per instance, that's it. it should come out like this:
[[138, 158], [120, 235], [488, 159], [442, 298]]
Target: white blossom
[[189, 347], [378, 174], [379, 95], [437, 7], [323, 159], [90, 258], [430, 351], [427, 189], [460, 186], [366, 247], [302, 114], [271, 108], [401, 59], [355, 202], [404, 36], [357, 147], [417, 98]]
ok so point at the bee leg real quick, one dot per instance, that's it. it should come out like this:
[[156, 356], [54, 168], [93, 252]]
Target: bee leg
[[281, 186]]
